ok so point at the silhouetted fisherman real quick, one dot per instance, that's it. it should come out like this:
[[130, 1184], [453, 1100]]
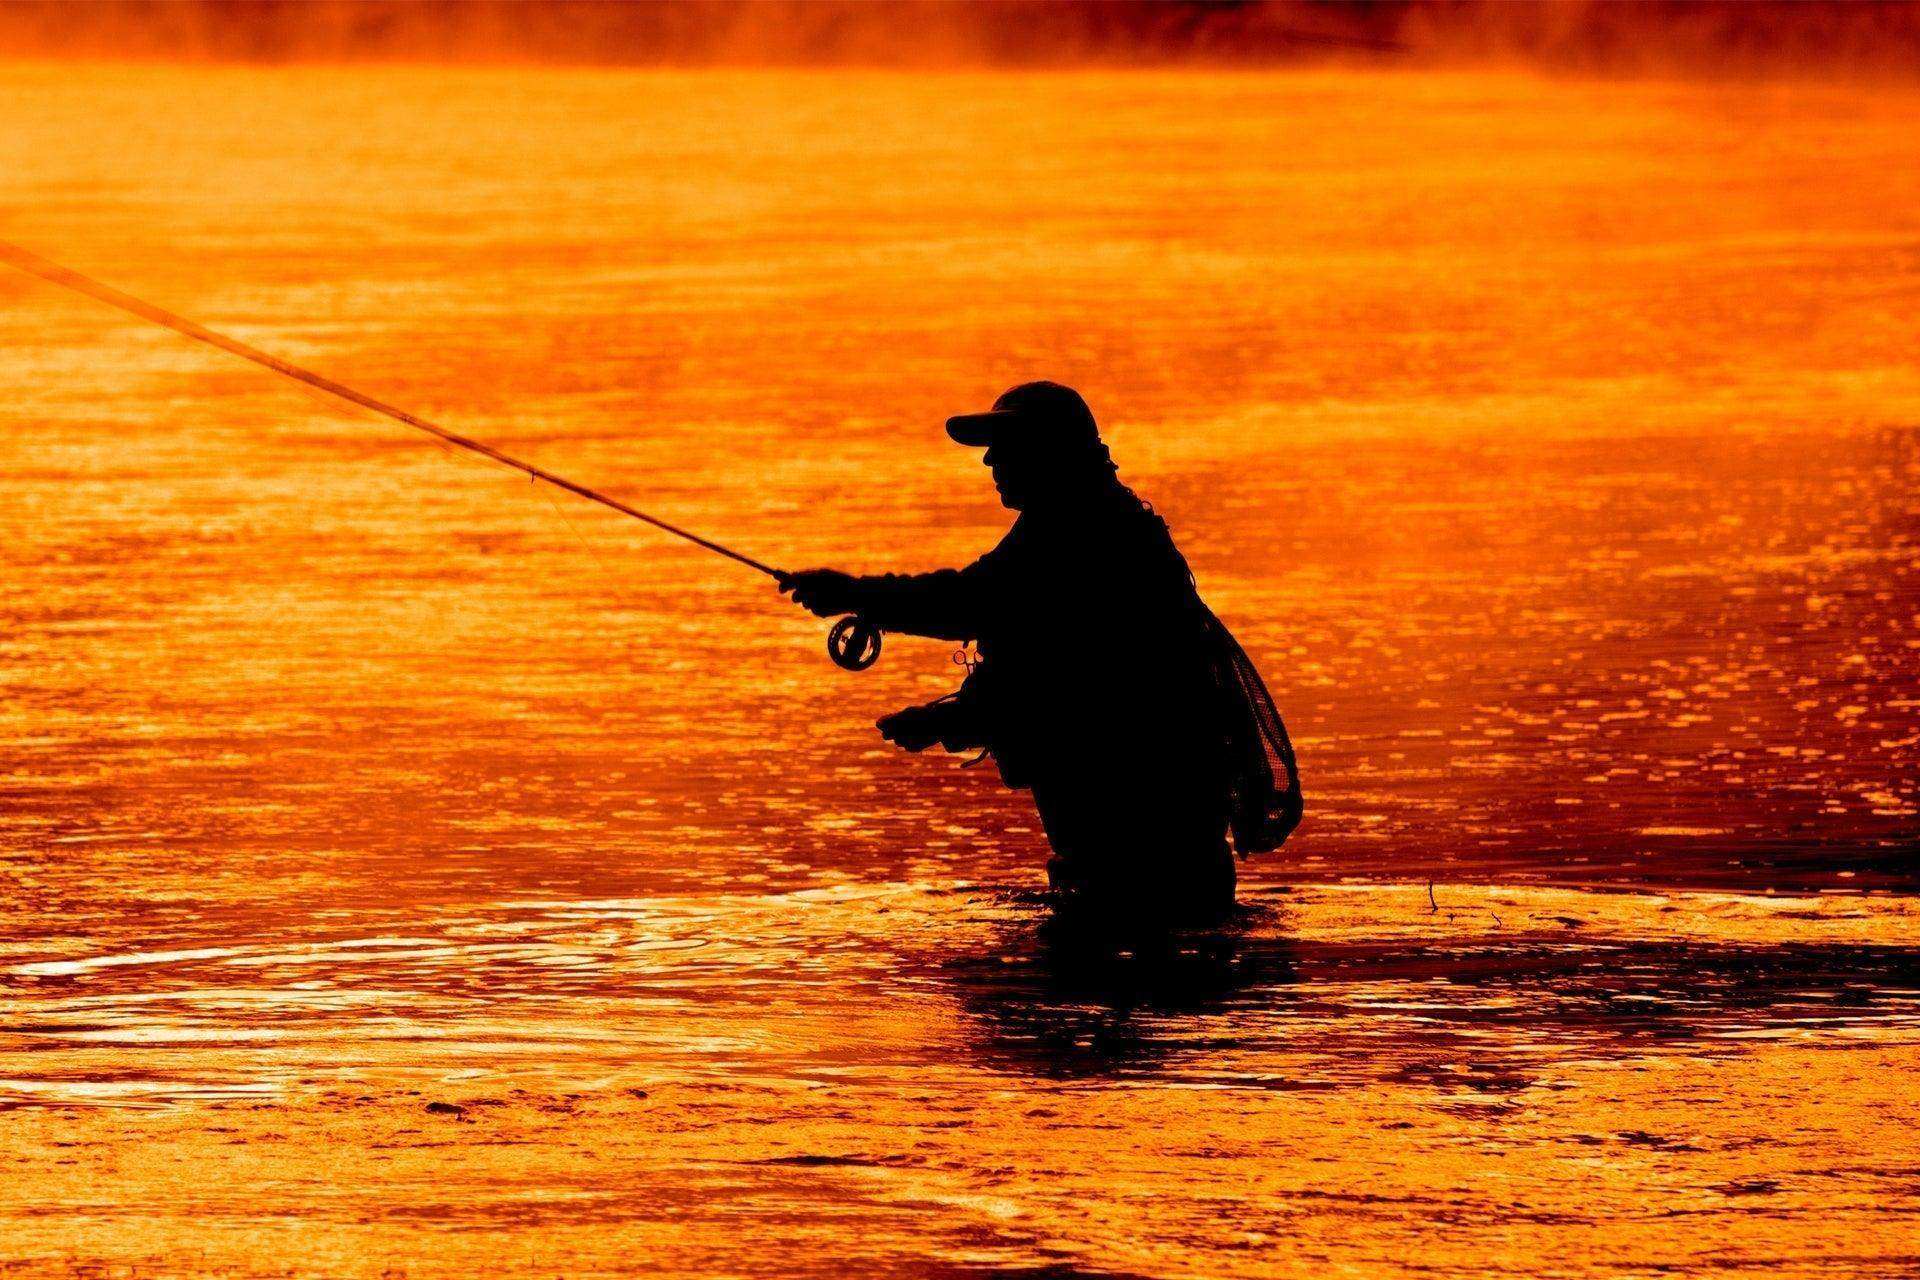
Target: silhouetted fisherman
[[1104, 684]]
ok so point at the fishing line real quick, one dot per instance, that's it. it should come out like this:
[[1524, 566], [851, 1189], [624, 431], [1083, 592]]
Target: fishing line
[[853, 642], [575, 530]]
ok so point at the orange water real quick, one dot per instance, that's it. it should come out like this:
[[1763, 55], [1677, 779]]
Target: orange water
[[1551, 446]]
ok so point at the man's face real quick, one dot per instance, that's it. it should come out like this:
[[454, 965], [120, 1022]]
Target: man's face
[[1014, 474]]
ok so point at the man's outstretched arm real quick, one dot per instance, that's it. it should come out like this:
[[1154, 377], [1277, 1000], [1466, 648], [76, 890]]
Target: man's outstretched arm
[[947, 604]]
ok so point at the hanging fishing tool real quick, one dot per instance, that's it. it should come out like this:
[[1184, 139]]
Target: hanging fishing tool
[[853, 642]]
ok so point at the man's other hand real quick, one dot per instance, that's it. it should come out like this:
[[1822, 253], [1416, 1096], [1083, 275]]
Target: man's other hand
[[916, 728], [825, 592]]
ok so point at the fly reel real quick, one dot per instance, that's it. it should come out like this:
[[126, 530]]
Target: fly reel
[[853, 643]]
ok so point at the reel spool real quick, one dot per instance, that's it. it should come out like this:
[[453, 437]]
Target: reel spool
[[853, 643]]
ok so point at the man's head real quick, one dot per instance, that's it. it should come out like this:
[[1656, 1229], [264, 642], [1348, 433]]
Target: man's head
[[1040, 438]]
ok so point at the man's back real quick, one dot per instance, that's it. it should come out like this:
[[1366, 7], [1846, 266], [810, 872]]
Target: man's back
[[1090, 633]]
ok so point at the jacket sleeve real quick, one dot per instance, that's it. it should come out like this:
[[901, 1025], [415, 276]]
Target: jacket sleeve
[[948, 604]]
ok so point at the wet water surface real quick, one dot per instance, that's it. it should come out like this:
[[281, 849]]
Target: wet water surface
[[411, 870]]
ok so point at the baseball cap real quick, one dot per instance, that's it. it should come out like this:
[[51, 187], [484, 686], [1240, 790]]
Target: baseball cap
[[1041, 412]]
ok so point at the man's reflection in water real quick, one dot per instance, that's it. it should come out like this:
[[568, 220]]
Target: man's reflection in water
[[1056, 998], [1480, 1014]]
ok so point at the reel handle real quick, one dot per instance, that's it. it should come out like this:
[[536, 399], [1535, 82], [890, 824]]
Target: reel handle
[[853, 643]]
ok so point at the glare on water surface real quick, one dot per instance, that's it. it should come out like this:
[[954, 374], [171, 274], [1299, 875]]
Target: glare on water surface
[[1550, 444]]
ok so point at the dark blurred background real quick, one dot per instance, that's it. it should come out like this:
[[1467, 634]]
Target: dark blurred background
[[1660, 36]]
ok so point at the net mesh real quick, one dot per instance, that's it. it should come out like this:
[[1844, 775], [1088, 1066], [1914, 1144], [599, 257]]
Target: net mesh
[[1263, 778]]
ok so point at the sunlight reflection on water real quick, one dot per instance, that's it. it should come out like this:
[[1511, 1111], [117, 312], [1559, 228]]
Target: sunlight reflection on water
[[454, 879]]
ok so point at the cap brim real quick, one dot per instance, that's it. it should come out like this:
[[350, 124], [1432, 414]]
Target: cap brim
[[977, 430]]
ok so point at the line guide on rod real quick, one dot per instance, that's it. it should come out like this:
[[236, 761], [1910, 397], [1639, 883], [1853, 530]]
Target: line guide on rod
[[853, 642]]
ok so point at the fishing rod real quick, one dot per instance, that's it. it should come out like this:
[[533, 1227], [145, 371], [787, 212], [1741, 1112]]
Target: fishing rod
[[853, 642]]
